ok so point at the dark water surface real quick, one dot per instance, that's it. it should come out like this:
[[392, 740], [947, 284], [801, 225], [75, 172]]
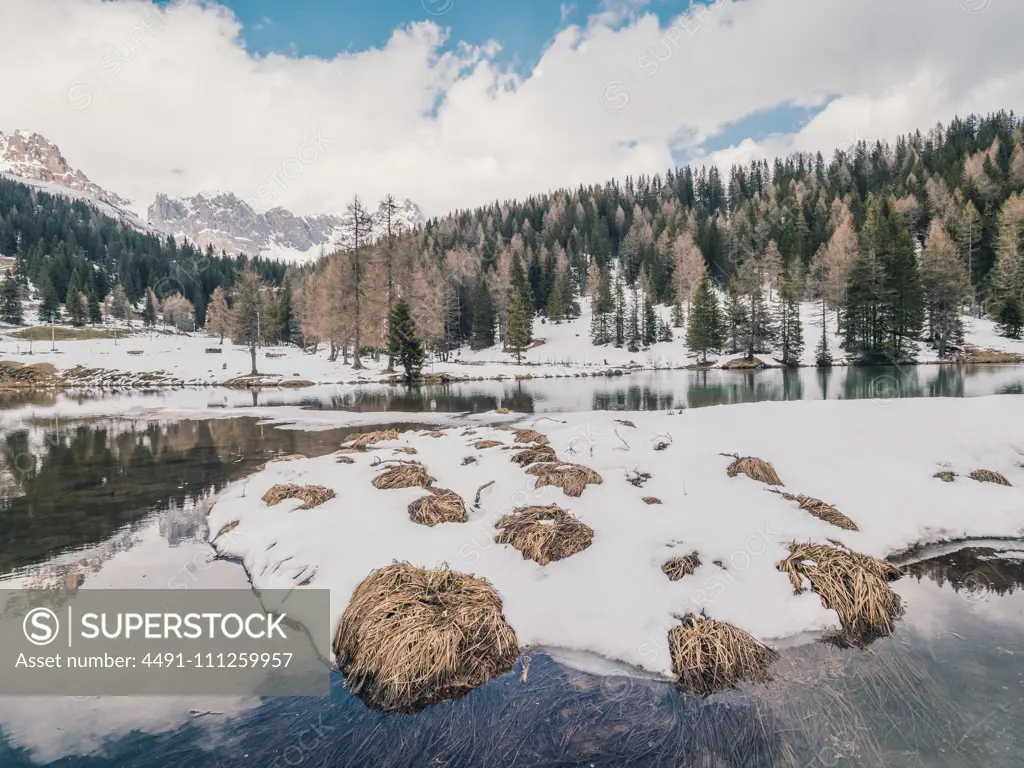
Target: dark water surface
[[108, 499]]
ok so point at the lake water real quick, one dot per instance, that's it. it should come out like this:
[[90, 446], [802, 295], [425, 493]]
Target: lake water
[[121, 503]]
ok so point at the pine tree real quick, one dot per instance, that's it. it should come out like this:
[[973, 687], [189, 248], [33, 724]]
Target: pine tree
[[633, 332], [736, 312], [664, 331], [11, 311], [520, 325], [403, 344], [285, 320], [49, 307], [602, 309], [650, 323], [484, 317], [93, 306], [149, 313], [556, 307], [677, 314], [705, 332], [790, 329], [1011, 318]]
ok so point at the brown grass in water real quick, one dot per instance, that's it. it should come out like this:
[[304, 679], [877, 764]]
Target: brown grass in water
[[651, 500], [407, 474], [531, 436], [946, 477], [754, 468], [441, 506], [367, 439], [482, 444], [535, 454], [711, 656], [854, 585], [678, 567], [286, 457], [544, 534], [571, 478], [311, 495], [411, 637], [821, 510], [988, 476]]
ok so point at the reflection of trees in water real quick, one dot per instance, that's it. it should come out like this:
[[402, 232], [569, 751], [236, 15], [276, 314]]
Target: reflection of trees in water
[[635, 398], [711, 388], [78, 485], [975, 571], [447, 398]]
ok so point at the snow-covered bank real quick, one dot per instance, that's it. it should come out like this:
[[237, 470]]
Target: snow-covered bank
[[876, 464], [160, 359]]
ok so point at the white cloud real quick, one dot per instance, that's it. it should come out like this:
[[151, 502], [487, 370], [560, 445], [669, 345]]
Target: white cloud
[[178, 105]]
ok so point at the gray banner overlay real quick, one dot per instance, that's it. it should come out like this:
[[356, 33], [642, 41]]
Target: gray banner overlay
[[164, 642]]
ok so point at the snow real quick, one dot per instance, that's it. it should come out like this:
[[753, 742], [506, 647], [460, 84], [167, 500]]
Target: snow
[[875, 464]]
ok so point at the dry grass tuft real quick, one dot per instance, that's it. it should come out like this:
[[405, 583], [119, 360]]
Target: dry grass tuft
[[227, 528], [441, 506], [988, 476], [625, 423], [544, 534], [531, 436], [945, 476], [678, 567], [367, 439], [311, 495], [345, 460], [535, 454], [286, 457], [855, 586], [411, 637], [651, 500], [433, 433], [571, 478], [407, 450], [820, 510], [754, 468], [407, 474], [481, 444], [502, 428], [711, 656], [502, 411]]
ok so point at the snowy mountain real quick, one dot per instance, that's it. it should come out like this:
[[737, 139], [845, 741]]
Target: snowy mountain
[[34, 160], [226, 222]]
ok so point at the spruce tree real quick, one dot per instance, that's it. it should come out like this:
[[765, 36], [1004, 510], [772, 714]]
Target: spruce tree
[[634, 334], [11, 311], [568, 288], [736, 312], [790, 330], [149, 312], [483, 316], [49, 307], [650, 323], [705, 332], [602, 308], [556, 307], [619, 300], [403, 344], [73, 303], [664, 331], [284, 319], [520, 325], [93, 306], [1011, 318], [677, 314]]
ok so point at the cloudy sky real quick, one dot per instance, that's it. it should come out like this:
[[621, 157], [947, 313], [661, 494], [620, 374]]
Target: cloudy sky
[[454, 103]]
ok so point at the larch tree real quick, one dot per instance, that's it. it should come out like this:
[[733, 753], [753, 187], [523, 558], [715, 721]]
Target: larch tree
[[357, 225], [120, 306], [689, 267], [151, 309], [968, 235], [179, 312], [246, 307], [1008, 274], [218, 316], [945, 282], [843, 248]]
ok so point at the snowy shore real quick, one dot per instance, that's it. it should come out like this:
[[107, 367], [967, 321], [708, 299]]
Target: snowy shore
[[150, 360], [875, 464]]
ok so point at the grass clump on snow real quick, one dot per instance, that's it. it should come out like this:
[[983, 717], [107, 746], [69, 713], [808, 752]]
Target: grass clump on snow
[[711, 656], [988, 476], [404, 474], [311, 495], [433, 433], [366, 439], [482, 444], [754, 468], [544, 534], [571, 478], [411, 637], [678, 567], [441, 506], [535, 454], [286, 457], [531, 436], [945, 476], [227, 528], [651, 500], [855, 586], [821, 510]]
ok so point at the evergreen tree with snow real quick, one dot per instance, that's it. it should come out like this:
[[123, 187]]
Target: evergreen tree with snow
[[403, 344], [706, 331], [664, 331], [602, 309], [650, 323]]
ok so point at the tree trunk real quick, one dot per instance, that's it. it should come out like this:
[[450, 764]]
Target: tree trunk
[[252, 354]]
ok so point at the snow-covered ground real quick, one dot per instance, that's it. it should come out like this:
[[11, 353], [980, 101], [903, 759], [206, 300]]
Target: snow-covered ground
[[874, 463], [564, 350]]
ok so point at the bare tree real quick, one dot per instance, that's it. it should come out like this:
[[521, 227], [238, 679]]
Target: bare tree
[[357, 224], [218, 316], [245, 311], [387, 213]]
